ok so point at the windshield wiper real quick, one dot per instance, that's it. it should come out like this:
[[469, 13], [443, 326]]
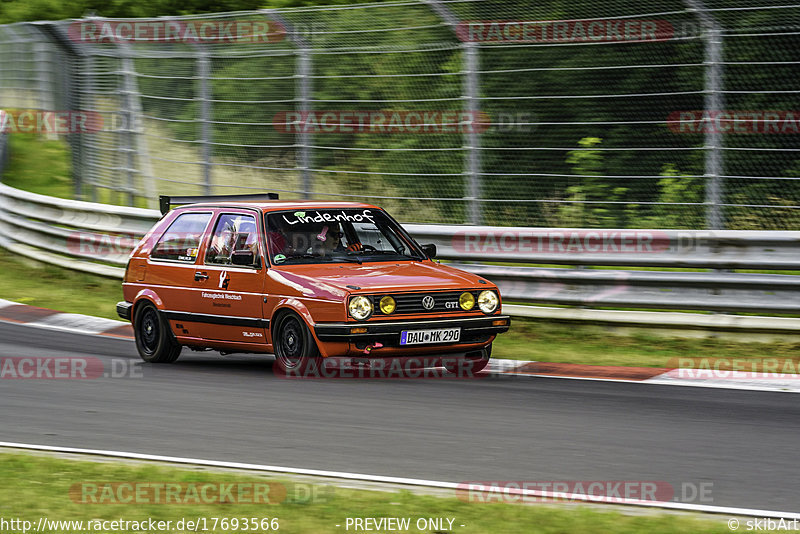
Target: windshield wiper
[[351, 259]]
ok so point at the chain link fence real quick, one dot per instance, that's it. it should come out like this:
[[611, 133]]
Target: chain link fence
[[651, 114]]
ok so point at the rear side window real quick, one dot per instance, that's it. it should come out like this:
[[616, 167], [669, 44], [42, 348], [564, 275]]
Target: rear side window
[[182, 239]]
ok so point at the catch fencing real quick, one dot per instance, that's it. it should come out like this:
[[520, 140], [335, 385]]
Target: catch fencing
[[679, 114], [702, 269]]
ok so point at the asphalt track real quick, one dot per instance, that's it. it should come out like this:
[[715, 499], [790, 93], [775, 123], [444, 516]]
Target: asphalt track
[[747, 443]]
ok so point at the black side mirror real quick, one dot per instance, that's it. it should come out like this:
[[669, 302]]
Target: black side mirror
[[243, 257], [429, 250]]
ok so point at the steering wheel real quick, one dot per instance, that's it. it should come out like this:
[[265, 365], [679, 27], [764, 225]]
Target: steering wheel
[[364, 248]]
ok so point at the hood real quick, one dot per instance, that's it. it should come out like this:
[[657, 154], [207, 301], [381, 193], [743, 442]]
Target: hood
[[388, 276]]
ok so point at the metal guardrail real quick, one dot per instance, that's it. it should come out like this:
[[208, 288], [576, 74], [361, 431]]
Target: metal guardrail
[[97, 238], [84, 236]]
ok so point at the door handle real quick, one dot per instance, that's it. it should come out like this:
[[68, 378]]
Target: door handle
[[200, 276]]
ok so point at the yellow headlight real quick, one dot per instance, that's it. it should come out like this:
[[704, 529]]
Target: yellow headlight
[[387, 305], [466, 301]]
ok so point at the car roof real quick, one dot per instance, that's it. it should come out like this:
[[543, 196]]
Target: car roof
[[279, 205]]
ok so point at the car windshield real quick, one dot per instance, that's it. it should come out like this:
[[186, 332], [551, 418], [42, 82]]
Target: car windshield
[[337, 235]]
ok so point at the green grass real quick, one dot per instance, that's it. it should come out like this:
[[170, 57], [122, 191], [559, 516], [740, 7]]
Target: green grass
[[39, 166], [49, 286], [33, 486], [548, 341], [43, 166]]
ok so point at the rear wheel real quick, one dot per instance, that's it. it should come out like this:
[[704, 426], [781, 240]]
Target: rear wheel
[[296, 351], [154, 340]]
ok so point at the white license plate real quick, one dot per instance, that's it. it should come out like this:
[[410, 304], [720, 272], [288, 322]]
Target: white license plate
[[441, 335]]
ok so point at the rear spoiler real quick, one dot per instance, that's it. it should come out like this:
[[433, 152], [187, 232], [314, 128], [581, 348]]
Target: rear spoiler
[[165, 202]]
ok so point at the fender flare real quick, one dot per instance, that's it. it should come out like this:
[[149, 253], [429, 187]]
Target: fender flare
[[147, 295], [296, 306]]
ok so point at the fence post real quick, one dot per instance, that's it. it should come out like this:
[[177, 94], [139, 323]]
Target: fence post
[[3, 142], [714, 163], [303, 98], [714, 158], [44, 85], [472, 159], [304, 106], [473, 164], [204, 73], [127, 129], [89, 102], [73, 99], [20, 101], [76, 81]]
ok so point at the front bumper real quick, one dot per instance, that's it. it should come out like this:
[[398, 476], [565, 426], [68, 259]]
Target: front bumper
[[473, 330], [124, 310]]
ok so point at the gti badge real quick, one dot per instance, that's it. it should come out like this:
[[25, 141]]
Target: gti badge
[[427, 302]]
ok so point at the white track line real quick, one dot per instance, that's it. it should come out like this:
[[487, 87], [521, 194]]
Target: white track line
[[731, 511], [67, 329], [659, 381], [73, 322]]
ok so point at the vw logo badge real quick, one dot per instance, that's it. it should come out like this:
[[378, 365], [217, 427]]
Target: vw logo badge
[[428, 302]]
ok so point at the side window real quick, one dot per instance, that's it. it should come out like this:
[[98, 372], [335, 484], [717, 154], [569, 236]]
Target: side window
[[233, 232], [182, 239]]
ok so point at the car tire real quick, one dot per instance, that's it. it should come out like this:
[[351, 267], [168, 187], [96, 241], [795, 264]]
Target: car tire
[[471, 367], [296, 351], [154, 340]]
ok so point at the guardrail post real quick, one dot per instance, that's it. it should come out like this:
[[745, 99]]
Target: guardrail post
[[472, 159], [204, 73]]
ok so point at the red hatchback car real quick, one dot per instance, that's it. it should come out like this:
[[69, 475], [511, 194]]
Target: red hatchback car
[[304, 280]]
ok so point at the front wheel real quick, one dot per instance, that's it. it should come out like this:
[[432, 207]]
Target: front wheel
[[154, 340], [296, 351]]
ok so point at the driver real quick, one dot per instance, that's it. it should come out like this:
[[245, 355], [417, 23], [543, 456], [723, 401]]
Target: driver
[[329, 240]]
